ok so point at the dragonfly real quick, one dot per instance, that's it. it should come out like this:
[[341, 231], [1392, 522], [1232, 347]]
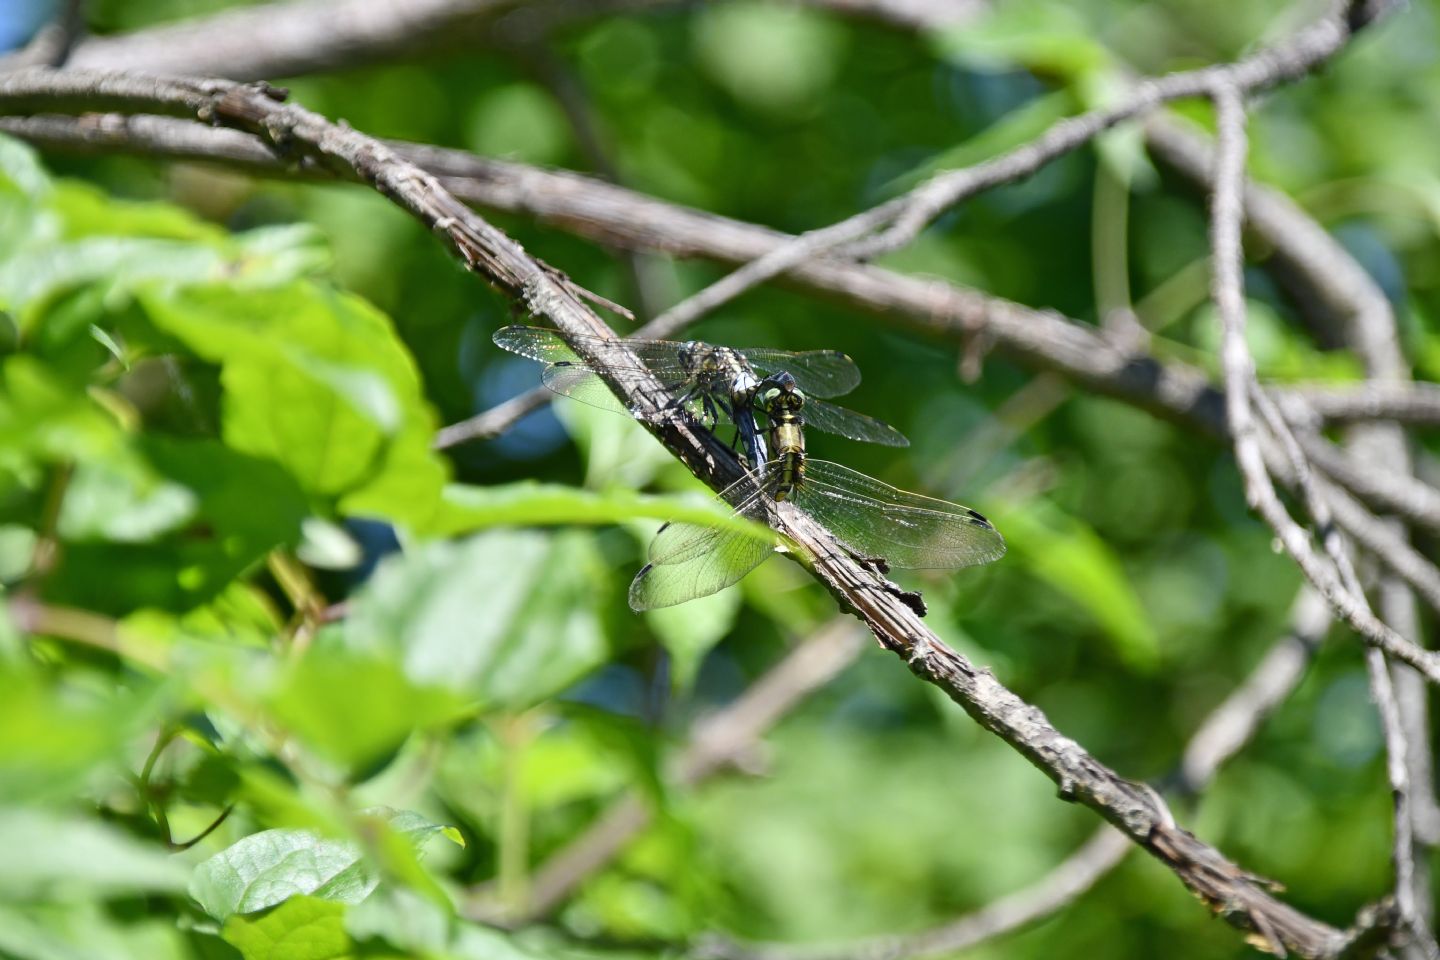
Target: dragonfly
[[870, 518], [707, 381]]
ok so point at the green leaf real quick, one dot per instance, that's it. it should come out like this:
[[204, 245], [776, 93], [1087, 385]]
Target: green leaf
[[355, 709], [510, 617], [56, 735], [21, 171], [113, 502], [31, 279], [274, 255], [1069, 555], [401, 919], [47, 854], [270, 867], [44, 420], [301, 928], [89, 211], [84, 930], [317, 381], [465, 508], [243, 507]]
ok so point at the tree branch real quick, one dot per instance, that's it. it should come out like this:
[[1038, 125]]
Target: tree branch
[[1231, 725], [1339, 586], [1243, 899], [600, 211]]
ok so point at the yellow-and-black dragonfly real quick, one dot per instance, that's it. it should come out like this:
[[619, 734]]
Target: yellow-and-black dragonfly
[[707, 381], [870, 518]]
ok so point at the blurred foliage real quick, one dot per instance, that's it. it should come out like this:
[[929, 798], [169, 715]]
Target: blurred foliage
[[251, 586]]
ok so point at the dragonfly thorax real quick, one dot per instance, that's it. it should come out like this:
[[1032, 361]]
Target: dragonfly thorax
[[721, 371], [782, 401]]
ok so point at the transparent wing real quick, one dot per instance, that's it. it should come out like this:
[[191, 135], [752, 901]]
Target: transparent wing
[[547, 346], [536, 343], [571, 376], [728, 558], [906, 529], [848, 423], [820, 373], [689, 560], [583, 384]]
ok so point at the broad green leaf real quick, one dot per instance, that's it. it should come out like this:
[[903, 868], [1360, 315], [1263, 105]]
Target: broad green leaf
[[402, 920], [43, 420], [56, 735], [273, 255], [88, 211], [317, 381], [110, 502], [32, 278], [270, 867], [355, 709], [21, 171], [508, 617], [327, 546], [48, 854], [243, 508], [301, 928], [1067, 554], [468, 508], [84, 930]]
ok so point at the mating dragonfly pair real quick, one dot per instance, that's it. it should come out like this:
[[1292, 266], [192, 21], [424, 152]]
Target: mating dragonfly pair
[[870, 518]]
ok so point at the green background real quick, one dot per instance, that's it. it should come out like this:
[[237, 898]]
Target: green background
[[201, 369]]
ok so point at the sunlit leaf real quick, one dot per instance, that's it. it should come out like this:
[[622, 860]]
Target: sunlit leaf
[[355, 709], [48, 853], [55, 736], [508, 617], [301, 928], [70, 929], [317, 381], [468, 508], [270, 867]]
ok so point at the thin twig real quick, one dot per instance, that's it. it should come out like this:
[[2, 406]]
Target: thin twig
[[1245, 901], [604, 212], [1239, 369], [1223, 733], [1266, 68], [1340, 586]]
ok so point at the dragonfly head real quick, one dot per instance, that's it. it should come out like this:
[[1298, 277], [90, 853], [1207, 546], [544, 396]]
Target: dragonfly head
[[779, 394]]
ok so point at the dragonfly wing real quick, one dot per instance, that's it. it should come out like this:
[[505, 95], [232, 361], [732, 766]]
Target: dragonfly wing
[[848, 423], [581, 383], [726, 559], [689, 560], [820, 373], [537, 343], [906, 529]]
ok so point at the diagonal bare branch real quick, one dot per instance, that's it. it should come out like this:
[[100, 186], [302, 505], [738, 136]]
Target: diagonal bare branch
[[1244, 900]]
